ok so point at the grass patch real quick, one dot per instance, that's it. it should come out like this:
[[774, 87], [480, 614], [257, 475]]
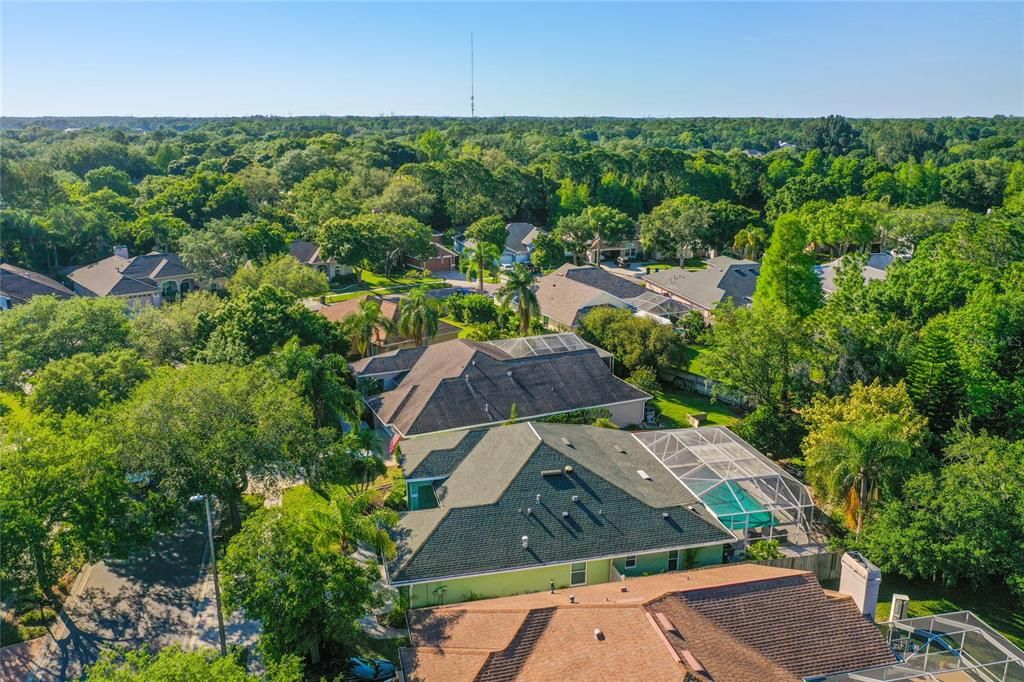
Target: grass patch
[[689, 264], [992, 603], [303, 498], [380, 648], [674, 405], [694, 359]]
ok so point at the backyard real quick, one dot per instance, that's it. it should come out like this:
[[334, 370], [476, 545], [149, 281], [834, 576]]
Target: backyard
[[674, 405], [373, 283]]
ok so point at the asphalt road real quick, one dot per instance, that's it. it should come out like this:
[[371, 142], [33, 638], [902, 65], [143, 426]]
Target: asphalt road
[[155, 598]]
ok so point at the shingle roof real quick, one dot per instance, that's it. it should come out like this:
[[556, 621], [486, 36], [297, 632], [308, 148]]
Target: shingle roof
[[459, 384], [117, 276], [874, 269], [401, 360], [390, 307], [520, 236], [18, 285], [494, 477], [565, 300], [305, 252], [785, 619], [724, 277], [633, 294], [782, 629], [599, 278]]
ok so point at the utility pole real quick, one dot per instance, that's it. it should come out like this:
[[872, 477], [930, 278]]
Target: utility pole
[[472, 84]]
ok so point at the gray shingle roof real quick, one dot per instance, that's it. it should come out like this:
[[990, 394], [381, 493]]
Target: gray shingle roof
[[724, 277], [305, 252], [459, 384], [874, 269], [18, 285], [483, 514], [401, 360], [117, 276]]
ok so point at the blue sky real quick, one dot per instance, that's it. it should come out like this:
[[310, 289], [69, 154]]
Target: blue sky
[[690, 59]]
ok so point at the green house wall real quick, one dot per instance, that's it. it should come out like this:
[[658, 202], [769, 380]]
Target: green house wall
[[539, 579]]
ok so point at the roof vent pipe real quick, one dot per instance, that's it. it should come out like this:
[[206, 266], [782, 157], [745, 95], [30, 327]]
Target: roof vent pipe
[[598, 635], [526, 542]]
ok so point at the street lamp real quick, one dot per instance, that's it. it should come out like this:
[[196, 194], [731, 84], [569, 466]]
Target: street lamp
[[216, 579]]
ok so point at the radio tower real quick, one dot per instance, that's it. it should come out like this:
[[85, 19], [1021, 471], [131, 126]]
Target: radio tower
[[472, 98]]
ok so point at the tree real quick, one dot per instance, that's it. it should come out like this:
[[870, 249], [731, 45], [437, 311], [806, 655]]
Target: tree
[[46, 329], [764, 550], [174, 665], [172, 334], [351, 519], [607, 226], [843, 224], [491, 229], [480, 260], [573, 234], [961, 523], [761, 353], [418, 315], [108, 177], [159, 232], [86, 381], [324, 380], [644, 378], [834, 135], [373, 240], [214, 252], [433, 145], [366, 325], [303, 596], [406, 195], [787, 272], [934, 379], [862, 446], [518, 289], [677, 226], [548, 250], [635, 341], [64, 498], [211, 429], [282, 272], [750, 241], [254, 322]]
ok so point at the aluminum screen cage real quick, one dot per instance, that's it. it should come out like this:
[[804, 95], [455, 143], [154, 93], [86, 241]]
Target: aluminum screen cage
[[747, 492], [949, 647], [545, 344]]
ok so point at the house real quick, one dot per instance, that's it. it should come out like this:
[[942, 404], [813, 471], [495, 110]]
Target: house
[[308, 254], [390, 307], [535, 506], [143, 280], [723, 278], [18, 285], [462, 384], [874, 269], [441, 259], [742, 623], [518, 244], [569, 292], [630, 248]]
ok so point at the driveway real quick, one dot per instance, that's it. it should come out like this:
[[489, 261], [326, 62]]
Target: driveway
[[155, 598], [454, 278]]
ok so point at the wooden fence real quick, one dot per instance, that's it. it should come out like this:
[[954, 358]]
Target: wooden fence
[[826, 566]]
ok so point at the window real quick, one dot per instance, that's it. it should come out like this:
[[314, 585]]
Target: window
[[673, 560], [578, 573], [631, 561]]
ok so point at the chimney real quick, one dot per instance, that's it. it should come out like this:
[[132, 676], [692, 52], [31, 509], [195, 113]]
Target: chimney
[[861, 579], [121, 250]]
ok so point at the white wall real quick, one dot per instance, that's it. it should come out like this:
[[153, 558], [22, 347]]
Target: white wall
[[625, 414]]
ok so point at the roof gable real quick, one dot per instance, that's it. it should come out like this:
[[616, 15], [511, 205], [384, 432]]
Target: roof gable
[[18, 285]]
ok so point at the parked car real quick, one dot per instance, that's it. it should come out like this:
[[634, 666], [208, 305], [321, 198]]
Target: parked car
[[622, 261], [507, 267], [373, 669]]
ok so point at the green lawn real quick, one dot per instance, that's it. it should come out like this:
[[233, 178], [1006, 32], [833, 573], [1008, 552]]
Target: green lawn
[[373, 283], [993, 604], [694, 354], [689, 264], [674, 405]]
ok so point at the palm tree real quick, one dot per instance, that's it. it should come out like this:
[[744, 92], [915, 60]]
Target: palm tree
[[362, 326], [478, 260], [418, 315], [749, 241], [351, 519], [518, 288], [853, 462]]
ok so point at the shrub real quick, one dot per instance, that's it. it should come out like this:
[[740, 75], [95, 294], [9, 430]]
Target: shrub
[[764, 550], [644, 378]]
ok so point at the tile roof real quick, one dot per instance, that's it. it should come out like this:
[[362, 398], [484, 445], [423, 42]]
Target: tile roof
[[724, 277], [118, 276], [390, 307], [494, 477], [18, 285], [459, 384], [784, 625]]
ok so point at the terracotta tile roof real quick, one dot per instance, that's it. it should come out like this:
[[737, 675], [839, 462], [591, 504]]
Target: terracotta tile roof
[[743, 622]]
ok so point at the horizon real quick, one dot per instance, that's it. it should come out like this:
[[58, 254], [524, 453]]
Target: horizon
[[566, 60]]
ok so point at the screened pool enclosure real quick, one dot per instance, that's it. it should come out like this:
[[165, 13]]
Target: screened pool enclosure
[[751, 495]]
